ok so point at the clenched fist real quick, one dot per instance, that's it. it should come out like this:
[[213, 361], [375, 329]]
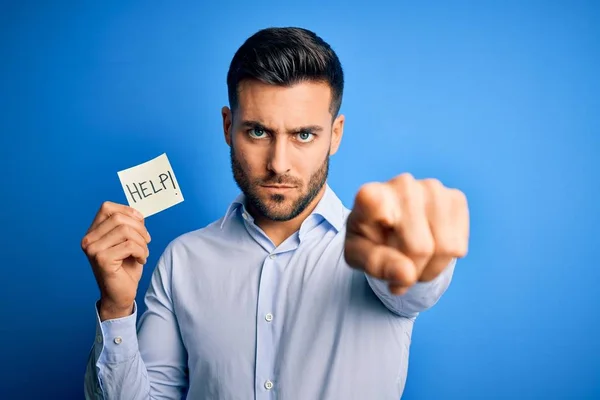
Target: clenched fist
[[116, 245], [406, 230]]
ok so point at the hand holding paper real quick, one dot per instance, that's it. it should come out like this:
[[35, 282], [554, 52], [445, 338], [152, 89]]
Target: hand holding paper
[[116, 243]]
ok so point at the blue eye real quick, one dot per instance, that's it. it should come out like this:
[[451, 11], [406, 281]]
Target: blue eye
[[257, 133], [306, 137]]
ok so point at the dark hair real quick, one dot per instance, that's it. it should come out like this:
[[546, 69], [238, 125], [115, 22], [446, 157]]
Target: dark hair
[[285, 56]]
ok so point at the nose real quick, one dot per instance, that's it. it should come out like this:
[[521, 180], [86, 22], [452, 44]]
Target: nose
[[279, 160]]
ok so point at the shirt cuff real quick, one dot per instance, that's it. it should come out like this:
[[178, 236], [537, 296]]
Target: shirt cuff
[[419, 297], [436, 285], [116, 339]]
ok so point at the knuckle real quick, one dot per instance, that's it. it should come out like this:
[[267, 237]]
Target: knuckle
[[105, 206], [423, 248], [85, 242], [432, 182], [125, 230], [132, 212], [405, 177], [118, 218], [91, 251], [406, 180], [404, 183], [458, 196], [406, 187], [433, 185]]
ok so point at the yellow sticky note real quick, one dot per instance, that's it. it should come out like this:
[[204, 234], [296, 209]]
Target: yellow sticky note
[[151, 187]]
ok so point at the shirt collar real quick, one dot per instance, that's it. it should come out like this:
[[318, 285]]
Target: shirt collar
[[329, 207], [235, 204]]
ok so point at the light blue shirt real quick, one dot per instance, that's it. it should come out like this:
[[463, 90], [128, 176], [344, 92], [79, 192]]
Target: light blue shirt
[[231, 316]]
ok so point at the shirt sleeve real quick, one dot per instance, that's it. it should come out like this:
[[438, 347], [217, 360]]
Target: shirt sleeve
[[420, 297], [144, 362]]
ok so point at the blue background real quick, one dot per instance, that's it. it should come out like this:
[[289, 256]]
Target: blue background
[[499, 99]]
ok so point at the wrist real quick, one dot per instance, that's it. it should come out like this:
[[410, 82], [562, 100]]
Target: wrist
[[109, 310]]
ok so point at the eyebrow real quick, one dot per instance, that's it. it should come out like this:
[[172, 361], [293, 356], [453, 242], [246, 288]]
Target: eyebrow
[[256, 124]]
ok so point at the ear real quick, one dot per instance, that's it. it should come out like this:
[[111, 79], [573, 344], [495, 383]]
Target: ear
[[227, 115], [337, 131]]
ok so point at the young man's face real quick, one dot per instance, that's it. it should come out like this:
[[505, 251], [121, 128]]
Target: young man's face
[[281, 139]]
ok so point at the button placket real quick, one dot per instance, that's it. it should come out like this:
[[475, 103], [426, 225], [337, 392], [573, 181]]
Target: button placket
[[265, 334]]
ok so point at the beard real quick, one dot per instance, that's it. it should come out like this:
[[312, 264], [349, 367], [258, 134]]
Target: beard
[[274, 208]]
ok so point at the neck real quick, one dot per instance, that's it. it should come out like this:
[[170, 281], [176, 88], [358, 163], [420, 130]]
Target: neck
[[279, 231]]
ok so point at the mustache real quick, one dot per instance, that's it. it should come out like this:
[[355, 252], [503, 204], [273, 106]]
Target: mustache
[[280, 180]]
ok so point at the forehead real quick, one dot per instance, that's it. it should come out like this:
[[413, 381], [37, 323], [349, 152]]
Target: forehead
[[300, 104]]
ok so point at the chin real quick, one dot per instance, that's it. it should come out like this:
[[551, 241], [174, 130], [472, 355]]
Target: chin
[[278, 207], [279, 204]]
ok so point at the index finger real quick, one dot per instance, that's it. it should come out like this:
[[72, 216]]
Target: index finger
[[109, 208], [376, 204]]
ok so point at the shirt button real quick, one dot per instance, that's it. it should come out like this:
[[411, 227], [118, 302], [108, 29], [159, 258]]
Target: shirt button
[[245, 216], [118, 340], [99, 339], [268, 385], [269, 317], [272, 256]]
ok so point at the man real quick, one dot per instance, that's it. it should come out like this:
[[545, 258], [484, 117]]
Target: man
[[289, 295]]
